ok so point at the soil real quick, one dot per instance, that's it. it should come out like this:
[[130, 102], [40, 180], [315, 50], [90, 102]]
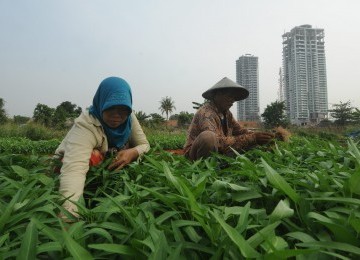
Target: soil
[[177, 151]]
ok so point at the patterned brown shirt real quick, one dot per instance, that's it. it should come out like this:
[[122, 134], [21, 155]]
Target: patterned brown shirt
[[227, 129]]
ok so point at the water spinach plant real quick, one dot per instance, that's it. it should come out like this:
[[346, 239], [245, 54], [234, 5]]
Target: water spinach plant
[[296, 200]]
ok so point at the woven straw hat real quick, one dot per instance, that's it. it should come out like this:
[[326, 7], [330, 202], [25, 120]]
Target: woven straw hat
[[239, 91]]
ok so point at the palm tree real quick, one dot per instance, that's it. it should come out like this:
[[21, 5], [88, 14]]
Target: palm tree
[[141, 116], [167, 106], [197, 105]]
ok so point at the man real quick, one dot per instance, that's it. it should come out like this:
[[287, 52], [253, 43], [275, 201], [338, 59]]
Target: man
[[214, 129]]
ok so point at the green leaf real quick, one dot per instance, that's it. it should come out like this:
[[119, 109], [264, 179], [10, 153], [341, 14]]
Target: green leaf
[[22, 172], [263, 234], [154, 162], [165, 199], [177, 233], [279, 182], [77, 251], [161, 246], [301, 236], [354, 151], [45, 179], [172, 179], [160, 219], [114, 248], [100, 232], [219, 184], [199, 247], [175, 254], [338, 199], [332, 245], [341, 232], [244, 247], [354, 222], [124, 212], [115, 227], [53, 234], [236, 210], [244, 218], [289, 254], [245, 195], [4, 218], [192, 234], [184, 223], [354, 182], [3, 238], [274, 244], [282, 210], [29, 243], [335, 255], [49, 247]]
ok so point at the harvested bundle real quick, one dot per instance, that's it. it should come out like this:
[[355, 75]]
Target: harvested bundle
[[281, 134]]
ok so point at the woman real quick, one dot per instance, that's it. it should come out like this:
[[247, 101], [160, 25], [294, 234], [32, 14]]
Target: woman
[[109, 125]]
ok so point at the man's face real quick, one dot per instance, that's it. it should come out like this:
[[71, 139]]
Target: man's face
[[224, 99]]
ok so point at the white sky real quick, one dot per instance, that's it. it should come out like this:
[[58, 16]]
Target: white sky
[[54, 51]]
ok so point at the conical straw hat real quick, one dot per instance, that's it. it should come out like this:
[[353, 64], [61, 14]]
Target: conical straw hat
[[239, 91]]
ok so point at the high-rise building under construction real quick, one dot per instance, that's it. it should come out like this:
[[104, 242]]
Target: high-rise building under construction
[[247, 75], [304, 75]]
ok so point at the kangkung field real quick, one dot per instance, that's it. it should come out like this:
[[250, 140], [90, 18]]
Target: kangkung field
[[292, 200]]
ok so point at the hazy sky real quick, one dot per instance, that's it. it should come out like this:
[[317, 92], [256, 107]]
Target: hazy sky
[[54, 51]]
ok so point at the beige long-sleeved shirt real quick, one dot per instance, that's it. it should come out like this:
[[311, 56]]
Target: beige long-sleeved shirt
[[86, 135]]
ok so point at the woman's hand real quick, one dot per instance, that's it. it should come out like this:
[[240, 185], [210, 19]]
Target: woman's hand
[[123, 157]]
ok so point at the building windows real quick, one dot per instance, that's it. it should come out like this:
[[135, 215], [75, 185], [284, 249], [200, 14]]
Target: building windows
[[304, 74]]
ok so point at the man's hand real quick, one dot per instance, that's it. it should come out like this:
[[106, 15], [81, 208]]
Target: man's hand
[[123, 157], [263, 137]]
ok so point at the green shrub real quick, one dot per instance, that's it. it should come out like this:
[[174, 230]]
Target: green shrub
[[328, 136], [32, 131], [21, 145], [166, 139]]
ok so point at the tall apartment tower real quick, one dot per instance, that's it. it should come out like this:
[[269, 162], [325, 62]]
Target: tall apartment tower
[[281, 95], [247, 75], [304, 75]]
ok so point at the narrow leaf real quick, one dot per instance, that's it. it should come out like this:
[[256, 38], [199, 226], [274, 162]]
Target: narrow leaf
[[4, 218], [282, 210], [354, 182], [49, 247], [301, 236], [22, 172], [77, 251], [265, 233], [279, 182], [29, 243], [3, 238], [244, 247], [332, 245], [114, 248]]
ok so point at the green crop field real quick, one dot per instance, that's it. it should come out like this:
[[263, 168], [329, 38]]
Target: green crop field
[[296, 200]]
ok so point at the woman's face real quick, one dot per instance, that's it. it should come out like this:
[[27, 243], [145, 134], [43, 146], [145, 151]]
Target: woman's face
[[115, 116]]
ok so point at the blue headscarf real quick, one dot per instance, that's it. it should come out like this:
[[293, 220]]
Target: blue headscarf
[[113, 91]]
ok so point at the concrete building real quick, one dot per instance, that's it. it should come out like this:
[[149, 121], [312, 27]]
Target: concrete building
[[304, 75], [281, 94], [247, 75]]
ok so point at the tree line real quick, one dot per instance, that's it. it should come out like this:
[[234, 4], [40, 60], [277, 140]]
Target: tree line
[[274, 114], [63, 115], [342, 113], [45, 115]]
